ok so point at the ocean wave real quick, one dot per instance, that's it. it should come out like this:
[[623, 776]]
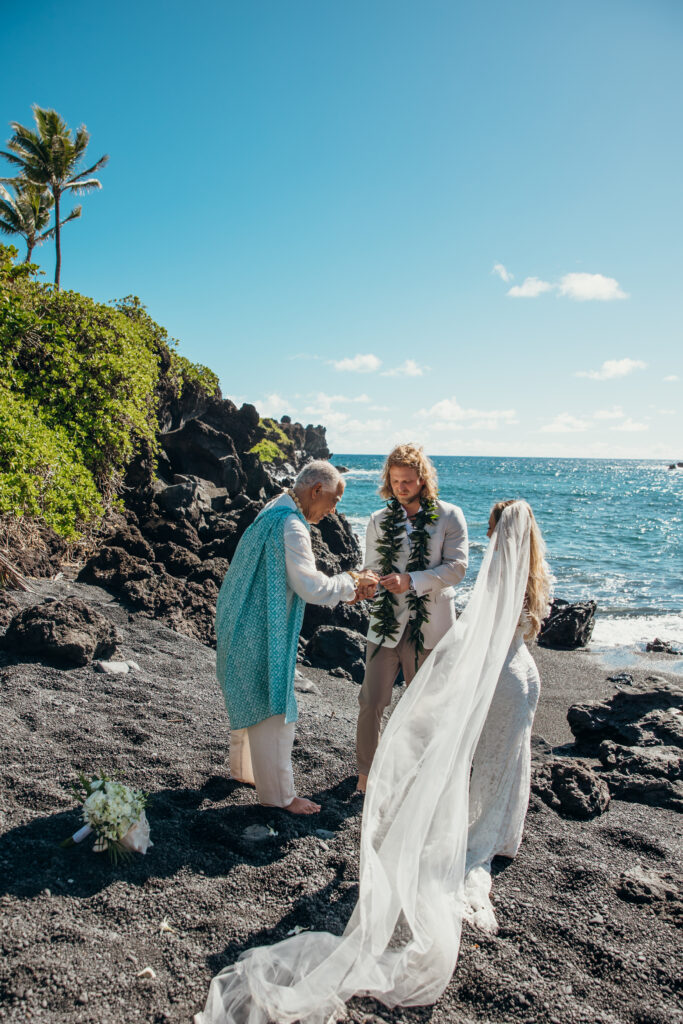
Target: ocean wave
[[352, 473], [634, 631]]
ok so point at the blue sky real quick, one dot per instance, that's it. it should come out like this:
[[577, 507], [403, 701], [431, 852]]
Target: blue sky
[[451, 222]]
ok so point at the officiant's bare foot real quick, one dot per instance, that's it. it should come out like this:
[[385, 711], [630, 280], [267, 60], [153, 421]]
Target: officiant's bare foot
[[301, 806]]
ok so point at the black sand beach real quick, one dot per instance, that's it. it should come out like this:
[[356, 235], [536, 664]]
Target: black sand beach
[[85, 942]]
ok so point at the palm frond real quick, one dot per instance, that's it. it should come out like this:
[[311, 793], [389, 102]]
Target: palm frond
[[80, 187], [91, 170]]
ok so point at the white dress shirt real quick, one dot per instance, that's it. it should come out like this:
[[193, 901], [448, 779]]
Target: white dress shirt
[[303, 578]]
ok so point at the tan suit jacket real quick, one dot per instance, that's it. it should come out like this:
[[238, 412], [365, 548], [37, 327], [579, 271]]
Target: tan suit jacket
[[447, 565]]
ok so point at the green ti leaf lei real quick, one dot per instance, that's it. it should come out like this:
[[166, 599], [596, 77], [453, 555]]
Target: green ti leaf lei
[[392, 528]]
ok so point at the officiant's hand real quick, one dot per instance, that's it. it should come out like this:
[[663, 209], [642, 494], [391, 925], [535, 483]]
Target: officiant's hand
[[396, 582], [366, 585]]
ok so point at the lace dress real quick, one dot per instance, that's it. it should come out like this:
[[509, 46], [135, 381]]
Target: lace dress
[[500, 780]]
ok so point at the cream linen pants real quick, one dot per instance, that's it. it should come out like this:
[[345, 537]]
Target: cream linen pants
[[376, 692], [262, 755]]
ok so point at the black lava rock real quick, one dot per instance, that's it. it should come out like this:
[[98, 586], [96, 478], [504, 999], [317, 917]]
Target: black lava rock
[[66, 632]]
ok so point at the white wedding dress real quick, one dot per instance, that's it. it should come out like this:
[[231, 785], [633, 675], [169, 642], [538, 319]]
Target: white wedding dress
[[401, 943], [501, 777]]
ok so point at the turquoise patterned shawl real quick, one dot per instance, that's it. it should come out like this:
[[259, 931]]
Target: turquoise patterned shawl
[[256, 637]]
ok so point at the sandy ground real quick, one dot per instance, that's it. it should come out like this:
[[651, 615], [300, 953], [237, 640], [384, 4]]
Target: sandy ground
[[76, 934]]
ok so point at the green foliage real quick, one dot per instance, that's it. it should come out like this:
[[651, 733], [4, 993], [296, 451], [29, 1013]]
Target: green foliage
[[274, 445], [41, 472], [89, 368], [187, 373], [79, 396]]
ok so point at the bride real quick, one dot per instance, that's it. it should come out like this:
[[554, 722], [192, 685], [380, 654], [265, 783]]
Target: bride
[[422, 868]]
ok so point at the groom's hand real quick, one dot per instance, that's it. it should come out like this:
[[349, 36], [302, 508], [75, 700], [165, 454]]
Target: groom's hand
[[395, 582]]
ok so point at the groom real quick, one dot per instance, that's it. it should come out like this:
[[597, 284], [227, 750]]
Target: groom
[[417, 545], [258, 618]]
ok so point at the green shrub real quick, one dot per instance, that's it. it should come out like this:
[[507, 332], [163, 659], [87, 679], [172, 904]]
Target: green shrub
[[274, 445], [80, 393], [41, 473]]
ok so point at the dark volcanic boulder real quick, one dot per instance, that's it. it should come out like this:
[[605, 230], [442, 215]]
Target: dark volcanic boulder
[[158, 530], [212, 569], [176, 560], [335, 545], [8, 608], [112, 567], [352, 616], [315, 442], [568, 626], [129, 538], [333, 647], [67, 632], [571, 788], [240, 424], [647, 775], [199, 450], [635, 718], [658, 646]]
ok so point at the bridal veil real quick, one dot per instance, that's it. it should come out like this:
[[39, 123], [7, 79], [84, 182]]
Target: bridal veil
[[401, 943]]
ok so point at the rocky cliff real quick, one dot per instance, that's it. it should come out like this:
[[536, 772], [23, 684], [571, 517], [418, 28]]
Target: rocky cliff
[[166, 553]]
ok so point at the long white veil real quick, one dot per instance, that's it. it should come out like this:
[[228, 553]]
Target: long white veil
[[401, 943]]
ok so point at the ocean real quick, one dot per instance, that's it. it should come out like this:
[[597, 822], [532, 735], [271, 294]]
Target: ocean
[[613, 531]]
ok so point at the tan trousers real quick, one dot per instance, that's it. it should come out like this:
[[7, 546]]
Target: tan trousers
[[262, 755], [375, 693]]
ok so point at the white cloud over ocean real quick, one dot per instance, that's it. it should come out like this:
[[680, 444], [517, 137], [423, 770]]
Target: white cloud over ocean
[[591, 287], [361, 363], [449, 414], [578, 286], [407, 369], [530, 288], [612, 368], [502, 272]]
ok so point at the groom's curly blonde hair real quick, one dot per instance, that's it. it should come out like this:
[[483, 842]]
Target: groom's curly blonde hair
[[410, 455]]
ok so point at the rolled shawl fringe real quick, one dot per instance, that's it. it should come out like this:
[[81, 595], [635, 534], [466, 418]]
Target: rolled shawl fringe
[[256, 637]]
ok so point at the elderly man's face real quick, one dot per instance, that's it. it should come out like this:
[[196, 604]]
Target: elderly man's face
[[322, 502]]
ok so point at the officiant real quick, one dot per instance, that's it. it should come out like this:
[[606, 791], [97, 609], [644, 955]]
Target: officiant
[[259, 614]]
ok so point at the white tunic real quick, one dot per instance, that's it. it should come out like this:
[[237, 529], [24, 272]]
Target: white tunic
[[303, 578]]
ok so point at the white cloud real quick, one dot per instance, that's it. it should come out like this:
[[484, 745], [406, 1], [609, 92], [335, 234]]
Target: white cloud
[[503, 273], [273, 406], [448, 413], [671, 378], [321, 404], [584, 287], [530, 288], [615, 413], [630, 426], [667, 412], [565, 423], [613, 368], [367, 363], [408, 369]]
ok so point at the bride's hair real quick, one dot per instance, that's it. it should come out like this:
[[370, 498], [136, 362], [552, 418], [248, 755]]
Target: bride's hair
[[538, 586], [410, 455]]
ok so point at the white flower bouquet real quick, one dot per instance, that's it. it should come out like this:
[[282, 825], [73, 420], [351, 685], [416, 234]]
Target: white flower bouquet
[[116, 814]]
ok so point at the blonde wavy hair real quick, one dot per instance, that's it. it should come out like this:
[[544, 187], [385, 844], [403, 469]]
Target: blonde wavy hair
[[410, 455], [539, 584]]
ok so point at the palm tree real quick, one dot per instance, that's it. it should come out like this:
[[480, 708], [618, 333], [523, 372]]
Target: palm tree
[[49, 157], [27, 213]]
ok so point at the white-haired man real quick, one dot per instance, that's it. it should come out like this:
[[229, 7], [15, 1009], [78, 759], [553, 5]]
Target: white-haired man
[[258, 619]]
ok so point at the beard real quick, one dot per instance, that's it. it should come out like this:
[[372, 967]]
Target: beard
[[408, 499]]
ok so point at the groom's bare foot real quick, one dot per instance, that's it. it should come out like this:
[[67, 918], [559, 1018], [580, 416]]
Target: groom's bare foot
[[300, 805]]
